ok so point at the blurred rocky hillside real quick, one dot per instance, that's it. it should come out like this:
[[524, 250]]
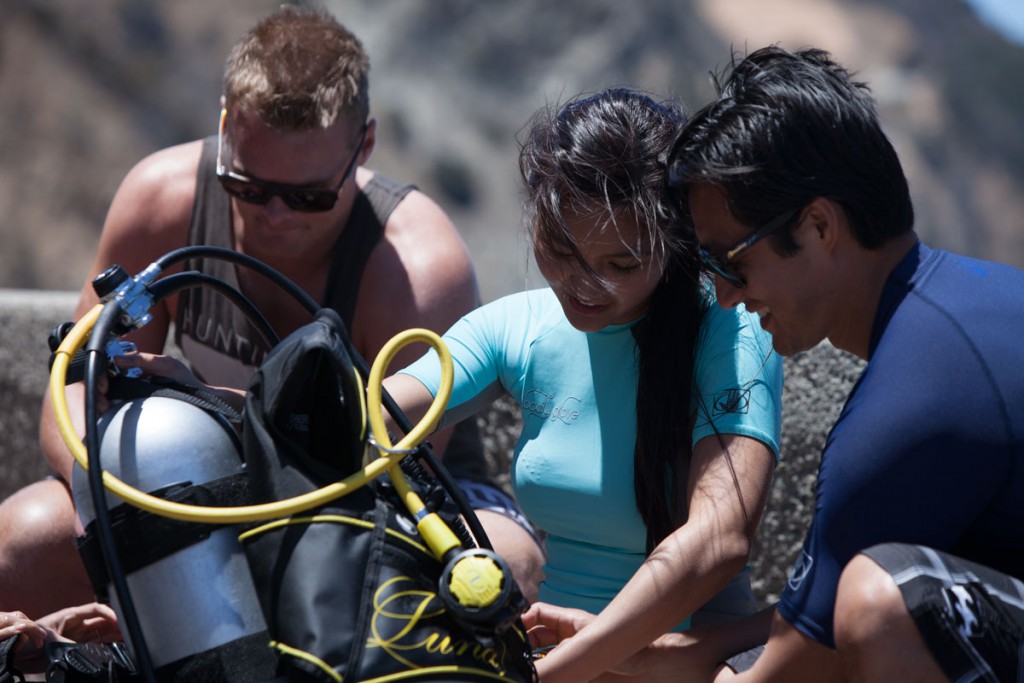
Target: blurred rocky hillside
[[87, 89]]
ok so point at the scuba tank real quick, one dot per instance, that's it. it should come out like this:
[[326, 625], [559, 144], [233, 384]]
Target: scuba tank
[[193, 591]]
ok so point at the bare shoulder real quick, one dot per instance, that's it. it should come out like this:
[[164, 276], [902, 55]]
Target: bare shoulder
[[422, 245], [148, 216], [424, 236], [157, 193]]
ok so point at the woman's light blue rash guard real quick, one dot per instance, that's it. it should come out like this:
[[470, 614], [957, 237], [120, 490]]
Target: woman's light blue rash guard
[[573, 463]]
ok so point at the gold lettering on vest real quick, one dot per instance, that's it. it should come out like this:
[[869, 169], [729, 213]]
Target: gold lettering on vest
[[400, 609]]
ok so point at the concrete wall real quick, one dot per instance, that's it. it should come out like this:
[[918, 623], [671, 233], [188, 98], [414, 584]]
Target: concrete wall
[[26, 318], [816, 384]]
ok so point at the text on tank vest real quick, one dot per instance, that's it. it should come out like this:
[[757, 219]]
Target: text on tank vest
[[223, 338]]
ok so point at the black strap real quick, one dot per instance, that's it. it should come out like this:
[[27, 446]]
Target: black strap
[[143, 538], [379, 538], [127, 388], [363, 232]]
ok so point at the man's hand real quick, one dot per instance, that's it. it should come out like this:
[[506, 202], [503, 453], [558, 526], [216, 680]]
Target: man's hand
[[18, 624], [89, 623], [160, 365]]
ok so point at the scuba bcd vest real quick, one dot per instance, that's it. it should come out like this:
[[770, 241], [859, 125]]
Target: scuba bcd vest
[[350, 591]]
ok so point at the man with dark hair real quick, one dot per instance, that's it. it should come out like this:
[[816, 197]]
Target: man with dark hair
[[912, 567], [283, 181]]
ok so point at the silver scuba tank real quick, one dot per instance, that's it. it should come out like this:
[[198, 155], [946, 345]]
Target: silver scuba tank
[[199, 597]]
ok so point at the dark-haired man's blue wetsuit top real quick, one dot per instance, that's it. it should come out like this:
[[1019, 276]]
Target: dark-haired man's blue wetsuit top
[[573, 466], [929, 448]]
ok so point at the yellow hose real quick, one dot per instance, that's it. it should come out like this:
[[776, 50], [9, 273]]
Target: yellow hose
[[434, 530], [76, 339]]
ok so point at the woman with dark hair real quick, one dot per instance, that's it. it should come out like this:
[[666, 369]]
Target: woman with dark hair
[[650, 415]]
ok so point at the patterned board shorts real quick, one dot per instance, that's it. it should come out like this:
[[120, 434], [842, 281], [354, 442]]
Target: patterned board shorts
[[971, 616]]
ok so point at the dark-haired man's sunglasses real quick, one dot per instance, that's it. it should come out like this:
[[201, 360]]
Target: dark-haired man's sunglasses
[[296, 197], [720, 265]]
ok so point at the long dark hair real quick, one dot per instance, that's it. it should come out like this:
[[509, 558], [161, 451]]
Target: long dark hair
[[607, 152]]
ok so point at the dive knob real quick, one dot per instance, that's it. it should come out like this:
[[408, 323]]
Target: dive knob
[[107, 282]]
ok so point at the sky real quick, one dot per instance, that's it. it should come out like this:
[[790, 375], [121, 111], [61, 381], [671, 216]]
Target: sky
[[1006, 16]]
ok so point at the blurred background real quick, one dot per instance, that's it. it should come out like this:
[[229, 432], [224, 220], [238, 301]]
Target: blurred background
[[89, 88]]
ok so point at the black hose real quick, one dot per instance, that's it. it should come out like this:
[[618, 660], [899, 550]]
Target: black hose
[[224, 254], [193, 278], [95, 365]]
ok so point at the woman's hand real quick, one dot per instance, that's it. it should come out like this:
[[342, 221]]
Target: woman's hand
[[548, 625]]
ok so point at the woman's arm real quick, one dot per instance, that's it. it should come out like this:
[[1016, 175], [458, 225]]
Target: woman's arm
[[411, 396], [697, 655], [727, 488]]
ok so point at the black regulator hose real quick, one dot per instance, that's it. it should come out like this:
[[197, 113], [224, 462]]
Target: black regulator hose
[[232, 256], [192, 278], [95, 366]]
